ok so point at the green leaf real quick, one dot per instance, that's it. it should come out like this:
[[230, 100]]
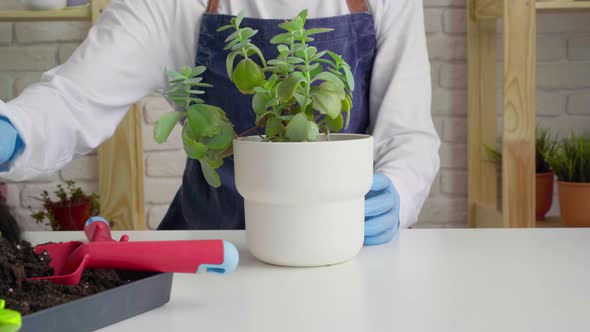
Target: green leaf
[[176, 76], [335, 125], [241, 44], [215, 163], [205, 85], [225, 27], [280, 38], [294, 60], [300, 99], [347, 109], [283, 48], [270, 83], [187, 71], [229, 63], [210, 175], [287, 88], [204, 120], [326, 102], [198, 71], [349, 78], [259, 102], [232, 36], [337, 73], [315, 31], [274, 127], [297, 130], [318, 56], [258, 52], [326, 61], [311, 51], [231, 44], [295, 24], [303, 15], [313, 131], [223, 139], [329, 77], [338, 90], [313, 67], [271, 102], [248, 33], [165, 125], [193, 149], [240, 17], [191, 81], [337, 58], [315, 70]]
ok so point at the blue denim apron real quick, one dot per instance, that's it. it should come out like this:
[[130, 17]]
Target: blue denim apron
[[200, 206]]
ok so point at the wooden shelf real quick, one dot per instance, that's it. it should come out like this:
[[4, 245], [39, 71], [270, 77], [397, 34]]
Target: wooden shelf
[[82, 13], [549, 222], [563, 5]]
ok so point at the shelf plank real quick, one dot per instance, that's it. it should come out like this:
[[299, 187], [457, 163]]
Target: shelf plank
[[82, 13], [563, 5], [518, 150], [549, 222]]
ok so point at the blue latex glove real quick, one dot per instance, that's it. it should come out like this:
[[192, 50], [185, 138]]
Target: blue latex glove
[[381, 211], [10, 143]]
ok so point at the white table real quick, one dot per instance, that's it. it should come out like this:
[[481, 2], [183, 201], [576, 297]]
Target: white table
[[425, 280]]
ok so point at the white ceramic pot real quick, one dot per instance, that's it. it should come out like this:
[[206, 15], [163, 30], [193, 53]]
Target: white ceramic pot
[[44, 4], [304, 202]]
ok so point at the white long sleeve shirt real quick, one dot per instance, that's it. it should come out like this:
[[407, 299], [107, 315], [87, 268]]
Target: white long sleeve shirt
[[79, 104]]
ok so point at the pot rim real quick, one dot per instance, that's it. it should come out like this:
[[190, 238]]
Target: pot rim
[[545, 174], [83, 203], [574, 184], [346, 138]]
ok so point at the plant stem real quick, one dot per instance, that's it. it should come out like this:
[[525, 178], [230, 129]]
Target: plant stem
[[248, 132], [307, 75]]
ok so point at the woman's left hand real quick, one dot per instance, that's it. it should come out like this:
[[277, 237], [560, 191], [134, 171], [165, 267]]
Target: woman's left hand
[[381, 211]]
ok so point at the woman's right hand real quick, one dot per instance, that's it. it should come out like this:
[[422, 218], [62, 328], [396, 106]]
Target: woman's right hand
[[8, 138]]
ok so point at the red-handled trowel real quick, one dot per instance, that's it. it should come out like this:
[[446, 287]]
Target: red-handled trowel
[[69, 259]]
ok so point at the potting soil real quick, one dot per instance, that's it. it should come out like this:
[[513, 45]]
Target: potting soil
[[18, 261]]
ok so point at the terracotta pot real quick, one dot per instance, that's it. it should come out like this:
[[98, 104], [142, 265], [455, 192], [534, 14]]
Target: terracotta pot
[[3, 193], [573, 203], [72, 218], [544, 194]]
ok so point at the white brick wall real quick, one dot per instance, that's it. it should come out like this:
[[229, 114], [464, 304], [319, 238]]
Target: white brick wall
[[27, 49]]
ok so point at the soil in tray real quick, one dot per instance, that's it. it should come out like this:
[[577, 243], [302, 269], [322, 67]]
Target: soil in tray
[[18, 261]]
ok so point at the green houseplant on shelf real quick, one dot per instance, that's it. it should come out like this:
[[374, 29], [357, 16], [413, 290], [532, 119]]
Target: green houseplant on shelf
[[301, 99], [571, 163], [71, 209], [545, 144]]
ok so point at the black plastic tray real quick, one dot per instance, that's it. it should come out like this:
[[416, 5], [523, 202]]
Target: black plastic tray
[[103, 309]]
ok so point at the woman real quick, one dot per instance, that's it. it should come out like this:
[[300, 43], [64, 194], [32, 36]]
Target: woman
[[78, 105]]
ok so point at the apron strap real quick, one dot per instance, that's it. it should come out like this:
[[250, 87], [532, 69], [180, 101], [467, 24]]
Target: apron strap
[[358, 6], [212, 6], [355, 6]]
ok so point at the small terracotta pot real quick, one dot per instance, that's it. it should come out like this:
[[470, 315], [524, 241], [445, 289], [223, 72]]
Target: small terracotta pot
[[544, 194], [72, 218], [574, 204]]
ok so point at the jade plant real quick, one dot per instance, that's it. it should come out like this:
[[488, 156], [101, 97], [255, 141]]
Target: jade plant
[[297, 96]]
